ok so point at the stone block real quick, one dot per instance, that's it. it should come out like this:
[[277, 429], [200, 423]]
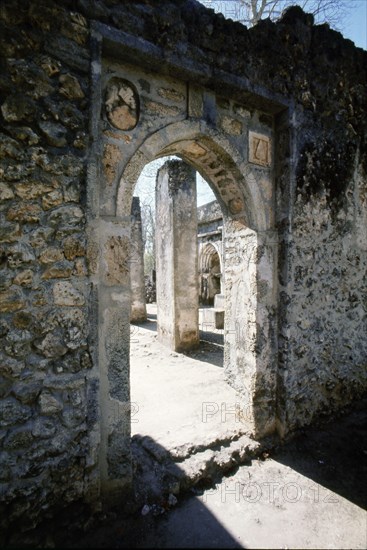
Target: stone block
[[231, 126], [70, 87], [259, 149], [18, 440], [49, 404], [219, 318], [11, 300], [9, 232], [64, 216], [171, 94], [28, 392], [117, 250], [6, 193], [25, 278], [111, 159], [24, 213], [44, 428], [219, 301], [18, 107], [34, 189], [51, 346], [73, 246], [67, 295], [20, 254], [52, 199], [51, 255], [58, 270], [12, 412]]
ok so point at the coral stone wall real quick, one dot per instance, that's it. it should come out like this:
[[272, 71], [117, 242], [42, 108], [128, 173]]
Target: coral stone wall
[[325, 364], [45, 362]]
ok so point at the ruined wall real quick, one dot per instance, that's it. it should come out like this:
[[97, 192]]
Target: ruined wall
[[49, 374], [323, 347], [46, 382], [325, 354], [321, 173], [209, 212]]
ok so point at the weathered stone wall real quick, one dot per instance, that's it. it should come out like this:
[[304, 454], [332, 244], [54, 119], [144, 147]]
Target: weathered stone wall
[[325, 364], [303, 82], [208, 213], [46, 377]]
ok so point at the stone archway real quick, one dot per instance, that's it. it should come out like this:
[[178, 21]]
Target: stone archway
[[113, 86], [210, 271], [212, 155], [250, 259], [221, 140]]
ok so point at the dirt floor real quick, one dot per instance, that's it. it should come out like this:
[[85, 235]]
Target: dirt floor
[[181, 398], [307, 493]]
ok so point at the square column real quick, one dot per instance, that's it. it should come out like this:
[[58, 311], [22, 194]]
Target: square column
[[177, 256], [138, 312]]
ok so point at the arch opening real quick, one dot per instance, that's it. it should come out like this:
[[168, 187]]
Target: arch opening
[[210, 273], [230, 178], [242, 241], [193, 373], [248, 273]]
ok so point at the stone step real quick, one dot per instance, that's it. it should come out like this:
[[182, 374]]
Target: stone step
[[160, 472], [209, 464]]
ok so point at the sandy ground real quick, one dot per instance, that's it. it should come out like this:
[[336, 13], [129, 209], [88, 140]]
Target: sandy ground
[[181, 398], [266, 505], [309, 493]]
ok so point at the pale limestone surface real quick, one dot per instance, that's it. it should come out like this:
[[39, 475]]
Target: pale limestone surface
[[179, 399]]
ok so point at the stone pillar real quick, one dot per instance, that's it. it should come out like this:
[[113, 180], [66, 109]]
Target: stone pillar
[[177, 256], [138, 304], [250, 330], [112, 270]]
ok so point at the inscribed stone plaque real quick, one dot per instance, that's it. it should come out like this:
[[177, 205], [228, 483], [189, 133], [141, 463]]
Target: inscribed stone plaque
[[259, 152]]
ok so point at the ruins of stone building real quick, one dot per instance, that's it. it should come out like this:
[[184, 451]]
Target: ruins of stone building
[[274, 118], [210, 252]]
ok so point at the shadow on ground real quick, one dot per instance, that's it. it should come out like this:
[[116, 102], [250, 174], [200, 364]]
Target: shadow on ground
[[211, 345], [330, 456], [333, 454], [210, 350]]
